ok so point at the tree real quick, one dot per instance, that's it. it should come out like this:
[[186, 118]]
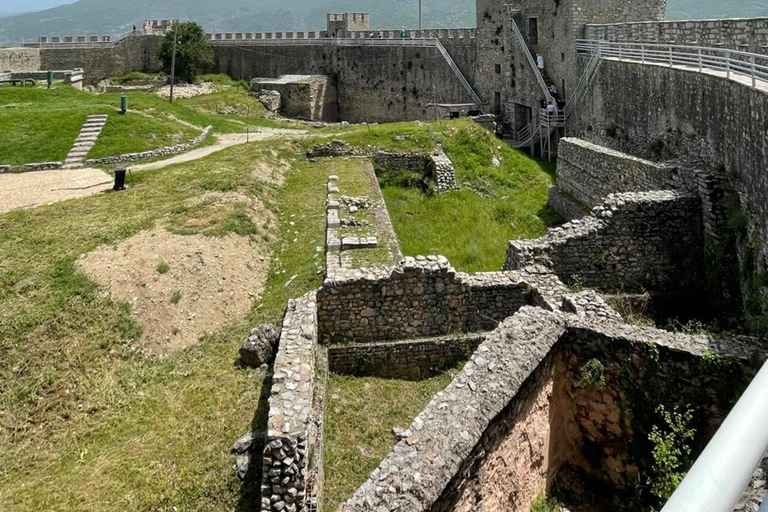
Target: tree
[[194, 53]]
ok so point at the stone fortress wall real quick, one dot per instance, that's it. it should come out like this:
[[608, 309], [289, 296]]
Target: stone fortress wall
[[634, 241], [14, 60], [749, 35]]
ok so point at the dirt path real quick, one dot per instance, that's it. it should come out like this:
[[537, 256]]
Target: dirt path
[[223, 142], [29, 189]]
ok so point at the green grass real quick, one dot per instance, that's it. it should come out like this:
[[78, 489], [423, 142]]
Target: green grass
[[37, 124], [87, 421], [124, 430], [471, 227], [360, 416]]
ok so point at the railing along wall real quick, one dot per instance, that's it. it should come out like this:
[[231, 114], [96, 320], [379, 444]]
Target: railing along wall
[[733, 63]]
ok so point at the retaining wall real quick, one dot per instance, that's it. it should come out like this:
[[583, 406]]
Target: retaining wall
[[748, 34], [496, 436], [634, 241], [287, 452], [154, 153], [425, 297], [590, 173]]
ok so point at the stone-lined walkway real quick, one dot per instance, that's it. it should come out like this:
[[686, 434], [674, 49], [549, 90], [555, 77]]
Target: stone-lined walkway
[[89, 134]]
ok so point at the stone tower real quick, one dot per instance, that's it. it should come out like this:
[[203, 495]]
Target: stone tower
[[550, 27]]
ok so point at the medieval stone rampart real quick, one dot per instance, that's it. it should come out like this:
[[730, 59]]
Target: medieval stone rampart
[[633, 241], [706, 121], [132, 53], [736, 34]]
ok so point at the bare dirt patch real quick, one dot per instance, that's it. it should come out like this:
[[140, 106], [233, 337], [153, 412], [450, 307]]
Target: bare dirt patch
[[182, 287], [30, 189]]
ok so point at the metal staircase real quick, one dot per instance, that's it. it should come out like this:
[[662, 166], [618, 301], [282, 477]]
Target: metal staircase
[[459, 74], [531, 62], [543, 124]]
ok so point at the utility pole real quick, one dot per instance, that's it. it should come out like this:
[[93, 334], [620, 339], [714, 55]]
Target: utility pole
[[420, 25], [173, 57]]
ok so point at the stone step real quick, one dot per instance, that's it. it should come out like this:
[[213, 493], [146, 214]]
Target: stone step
[[87, 138], [86, 144], [91, 129], [77, 154], [101, 117]]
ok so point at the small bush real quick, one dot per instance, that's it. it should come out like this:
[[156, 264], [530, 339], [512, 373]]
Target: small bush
[[592, 374], [671, 452], [176, 297], [544, 503], [163, 268]]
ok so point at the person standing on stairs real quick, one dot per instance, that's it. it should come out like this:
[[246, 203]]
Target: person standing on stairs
[[540, 63]]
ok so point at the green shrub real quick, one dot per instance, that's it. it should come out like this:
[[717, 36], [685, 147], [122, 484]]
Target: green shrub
[[163, 268], [592, 374], [544, 503], [671, 452]]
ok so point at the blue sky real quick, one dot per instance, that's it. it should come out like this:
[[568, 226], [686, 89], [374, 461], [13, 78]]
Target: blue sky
[[9, 6]]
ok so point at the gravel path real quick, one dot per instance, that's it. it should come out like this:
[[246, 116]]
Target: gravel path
[[223, 142], [30, 189]]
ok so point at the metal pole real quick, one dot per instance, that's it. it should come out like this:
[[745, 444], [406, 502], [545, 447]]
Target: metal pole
[[173, 57], [420, 26], [723, 470], [752, 64]]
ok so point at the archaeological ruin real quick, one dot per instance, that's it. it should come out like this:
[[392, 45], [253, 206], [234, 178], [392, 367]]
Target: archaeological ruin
[[658, 129]]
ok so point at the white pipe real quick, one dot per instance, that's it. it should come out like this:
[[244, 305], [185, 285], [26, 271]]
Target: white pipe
[[722, 472]]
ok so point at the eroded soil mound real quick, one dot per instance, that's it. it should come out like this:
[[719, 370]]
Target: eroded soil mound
[[184, 286]]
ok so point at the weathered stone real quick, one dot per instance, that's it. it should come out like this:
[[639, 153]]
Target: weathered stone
[[259, 348]]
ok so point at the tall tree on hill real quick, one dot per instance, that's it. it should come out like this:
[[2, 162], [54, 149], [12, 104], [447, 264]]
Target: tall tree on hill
[[194, 53]]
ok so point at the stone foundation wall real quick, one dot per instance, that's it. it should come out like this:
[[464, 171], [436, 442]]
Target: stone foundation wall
[[634, 241], [42, 166], [565, 205], [425, 297], [435, 165], [521, 409], [408, 360], [589, 173], [287, 452], [737, 34], [155, 153]]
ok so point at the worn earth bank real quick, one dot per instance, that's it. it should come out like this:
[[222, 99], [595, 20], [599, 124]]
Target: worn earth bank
[[208, 282]]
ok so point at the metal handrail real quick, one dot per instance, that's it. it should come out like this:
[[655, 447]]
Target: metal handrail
[[584, 82], [733, 62], [725, 467], [531, 62], [458, 73], [330, 41]]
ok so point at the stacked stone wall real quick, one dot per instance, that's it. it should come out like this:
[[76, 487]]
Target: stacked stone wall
[[706, 121], [287, 452], [154, 153], [518, 412], [408, 360], [425, 297], [634, 241], [736, 34], [588, 173], [15, 60]]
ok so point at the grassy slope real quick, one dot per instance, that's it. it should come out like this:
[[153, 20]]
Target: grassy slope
[[41, 125], [86, 421], [470, 229], [360, 416]]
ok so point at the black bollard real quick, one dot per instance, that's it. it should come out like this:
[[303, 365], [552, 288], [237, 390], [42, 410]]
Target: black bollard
[[119, 179]]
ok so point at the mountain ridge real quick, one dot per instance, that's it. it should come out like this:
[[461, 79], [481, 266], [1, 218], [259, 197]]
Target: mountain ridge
[[88, 17]]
